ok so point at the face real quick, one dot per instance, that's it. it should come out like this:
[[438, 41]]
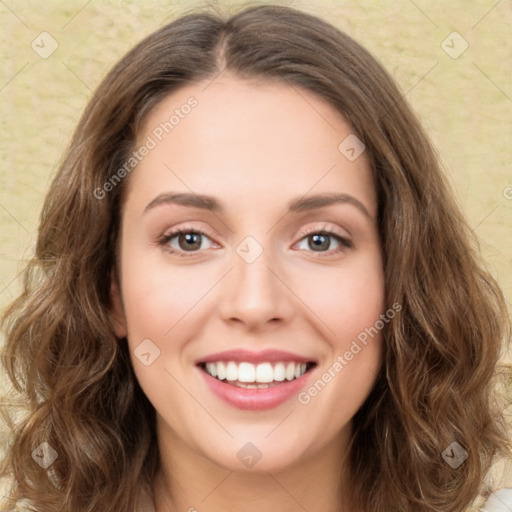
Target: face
[[250, 267]]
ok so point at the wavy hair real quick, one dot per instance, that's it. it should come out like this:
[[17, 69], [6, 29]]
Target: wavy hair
[[72, 380]]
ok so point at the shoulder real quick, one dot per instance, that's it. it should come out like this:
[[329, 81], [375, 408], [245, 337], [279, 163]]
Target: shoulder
[[499, 501]]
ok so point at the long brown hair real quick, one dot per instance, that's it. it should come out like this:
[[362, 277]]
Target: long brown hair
[[72, 378]]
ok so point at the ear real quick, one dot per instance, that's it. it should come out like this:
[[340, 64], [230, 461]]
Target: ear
[[117, 316]]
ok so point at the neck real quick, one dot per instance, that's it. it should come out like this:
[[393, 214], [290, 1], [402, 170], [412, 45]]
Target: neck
[[187, 481]]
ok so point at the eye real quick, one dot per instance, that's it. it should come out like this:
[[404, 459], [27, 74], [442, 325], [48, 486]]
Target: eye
[[322, 241], [193, 240], [185, 240]]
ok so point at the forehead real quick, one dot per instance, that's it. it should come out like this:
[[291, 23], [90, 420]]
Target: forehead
[[249, 137]]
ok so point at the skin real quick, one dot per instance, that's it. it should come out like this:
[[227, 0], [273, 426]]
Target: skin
[[254, 146]]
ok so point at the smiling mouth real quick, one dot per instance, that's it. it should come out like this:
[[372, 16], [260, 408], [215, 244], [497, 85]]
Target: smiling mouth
[[256, 376]]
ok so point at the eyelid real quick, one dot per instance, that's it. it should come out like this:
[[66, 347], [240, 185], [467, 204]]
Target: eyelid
[[186, 228], [324, 228]]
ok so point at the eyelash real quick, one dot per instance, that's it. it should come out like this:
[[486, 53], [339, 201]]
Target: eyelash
[[164, 240]]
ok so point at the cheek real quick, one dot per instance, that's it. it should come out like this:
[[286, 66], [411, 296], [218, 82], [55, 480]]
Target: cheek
[[351, 308], [161, 305], [347, 300], [159, 302], [340, 389], [156, 296]]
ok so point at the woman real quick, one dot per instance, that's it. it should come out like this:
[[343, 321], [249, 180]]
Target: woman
[[253, 289]]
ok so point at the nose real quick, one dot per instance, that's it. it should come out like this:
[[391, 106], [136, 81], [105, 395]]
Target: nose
[[255, 295]]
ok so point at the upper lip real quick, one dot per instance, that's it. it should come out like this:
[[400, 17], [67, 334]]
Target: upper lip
[[242, 355]]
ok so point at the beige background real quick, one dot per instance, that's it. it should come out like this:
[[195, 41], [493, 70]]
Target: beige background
[[465, 103]]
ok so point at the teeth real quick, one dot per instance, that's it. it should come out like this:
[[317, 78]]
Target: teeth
[[279, 372], [300, 370], [212, 369], [252, 386], [264, 373], [290, 371], [231, 371], [252, 376], [246, 372], [221, 371]]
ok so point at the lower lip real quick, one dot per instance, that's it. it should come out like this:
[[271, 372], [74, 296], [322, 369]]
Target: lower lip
[[255, 399]]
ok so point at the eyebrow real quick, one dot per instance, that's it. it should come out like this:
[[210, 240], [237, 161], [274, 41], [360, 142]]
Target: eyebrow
[[298, 205]]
